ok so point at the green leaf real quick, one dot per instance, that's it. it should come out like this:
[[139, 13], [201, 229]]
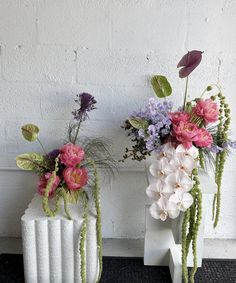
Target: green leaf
[[161, 86], [30, 132], [30, 161], [139, 123]]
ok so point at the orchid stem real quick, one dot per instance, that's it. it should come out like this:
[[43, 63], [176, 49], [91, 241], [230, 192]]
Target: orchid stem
[[185, 93]]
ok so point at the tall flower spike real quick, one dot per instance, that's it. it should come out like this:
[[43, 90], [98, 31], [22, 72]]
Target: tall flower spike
[[189, 62]]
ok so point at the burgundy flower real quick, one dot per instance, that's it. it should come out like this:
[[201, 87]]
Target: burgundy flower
[[189, 62]]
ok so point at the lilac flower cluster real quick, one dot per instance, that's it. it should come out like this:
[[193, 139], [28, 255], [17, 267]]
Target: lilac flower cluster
[[156, 114]]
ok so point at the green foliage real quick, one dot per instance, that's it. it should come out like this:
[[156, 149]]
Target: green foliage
[[161, 86], [48, 211], [30, 161], [98, 149], [83, 236], [191, 222], [96, 196], [30, 132], [221, 138], [139, 123]]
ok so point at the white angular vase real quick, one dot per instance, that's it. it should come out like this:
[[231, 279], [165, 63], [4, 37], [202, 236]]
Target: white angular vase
[[51, 245], [162, 244]]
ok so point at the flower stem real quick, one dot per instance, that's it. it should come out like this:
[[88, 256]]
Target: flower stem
[[77, 131], [185, 92], [42, 146]]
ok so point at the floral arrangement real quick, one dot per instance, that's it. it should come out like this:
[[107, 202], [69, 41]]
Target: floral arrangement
[[194, 136], [70, 173]]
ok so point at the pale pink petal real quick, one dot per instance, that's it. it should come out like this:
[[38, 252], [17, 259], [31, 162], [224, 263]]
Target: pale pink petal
[[155, 210], [153, 192], [187, 200], [172, 210]]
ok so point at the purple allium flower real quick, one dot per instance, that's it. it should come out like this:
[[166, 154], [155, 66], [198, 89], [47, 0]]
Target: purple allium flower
[[87, 103]]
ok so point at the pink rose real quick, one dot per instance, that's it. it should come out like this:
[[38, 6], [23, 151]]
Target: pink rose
[[43, 181], [178, 116], [207, 110], [186, 133], [204, 138], [75, 178], [71, 154]]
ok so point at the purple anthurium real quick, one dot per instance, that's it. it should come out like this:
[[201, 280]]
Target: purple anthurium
[[189, 62]]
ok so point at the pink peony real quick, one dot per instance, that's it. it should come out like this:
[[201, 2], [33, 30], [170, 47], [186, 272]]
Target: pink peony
[[204, 138], [71, 154], [75, 178], [186, 133], [178, 116], [207, 110], [43, 181]]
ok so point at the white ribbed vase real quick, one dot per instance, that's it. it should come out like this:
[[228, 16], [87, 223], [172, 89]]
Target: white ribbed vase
[[51, 245]]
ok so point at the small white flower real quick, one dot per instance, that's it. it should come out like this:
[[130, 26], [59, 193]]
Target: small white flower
[[182, 200], [167, 150], [179, 181], [184, 162], [163, 208], [161, 168], [192, 151], [157, 190]]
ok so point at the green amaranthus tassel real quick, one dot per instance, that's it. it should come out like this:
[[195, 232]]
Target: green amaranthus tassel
[[191, 222], [222, 136], [48, 211], [184, 246], [96, 196], [83, 235]]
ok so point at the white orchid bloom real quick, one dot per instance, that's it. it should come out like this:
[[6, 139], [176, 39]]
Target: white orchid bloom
[[183, 162], [163, 208], [157, 190], [182, 200], [192, 151], [179, 181], [167, 150], [161, 168]]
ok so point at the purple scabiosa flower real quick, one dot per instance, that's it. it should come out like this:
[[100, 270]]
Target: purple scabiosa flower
[[53, 154], [87, 103]]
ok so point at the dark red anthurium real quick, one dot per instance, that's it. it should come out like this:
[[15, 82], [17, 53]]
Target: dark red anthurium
[[189, 62]]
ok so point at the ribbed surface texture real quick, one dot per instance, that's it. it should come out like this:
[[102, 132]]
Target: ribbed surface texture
[[51, 246]]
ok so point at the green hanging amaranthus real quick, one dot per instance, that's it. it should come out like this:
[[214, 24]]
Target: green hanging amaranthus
[[190, 227], [96, 196], [83, 236], [222, 138], [69, 174]]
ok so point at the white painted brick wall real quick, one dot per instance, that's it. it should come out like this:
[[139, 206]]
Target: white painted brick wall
[[51, 50]]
